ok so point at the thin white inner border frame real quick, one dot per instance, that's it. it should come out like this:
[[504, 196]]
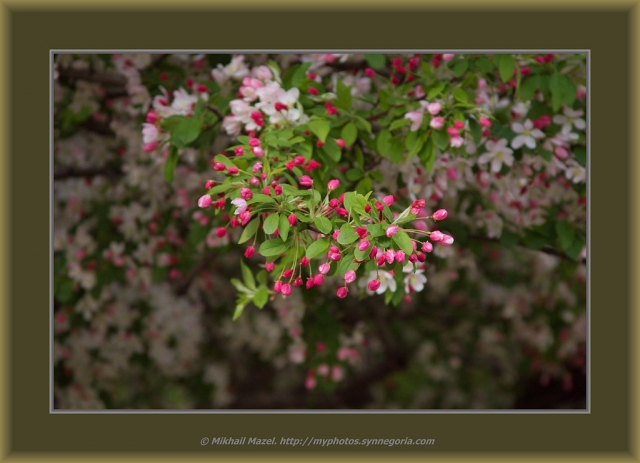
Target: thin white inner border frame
[[53, 52]]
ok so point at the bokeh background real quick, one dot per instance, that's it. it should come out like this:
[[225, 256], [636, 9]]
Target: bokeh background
[[143, 304]]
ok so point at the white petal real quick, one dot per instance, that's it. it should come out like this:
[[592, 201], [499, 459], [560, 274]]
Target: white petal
[[517, 127], [518, 141], [530, 142]]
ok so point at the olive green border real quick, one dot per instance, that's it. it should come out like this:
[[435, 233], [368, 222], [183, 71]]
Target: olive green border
[[30, 29]]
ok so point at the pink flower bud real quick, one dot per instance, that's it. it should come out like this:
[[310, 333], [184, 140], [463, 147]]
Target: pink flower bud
[[388, 200], [421, 257], [436, 236], [324, 268], [267, 190], [399, 256], [369, 72], [341, 211], [257, 167], [484, 122], [458, 124], [434, 108], [448, 56], [440, 214], [305, 180], [258, 152], [245, 193], [255, 181], [254, 142], [304, 261], [310, 383], [292, 219], [233, 170], [269, 266], [334, 256], [335, 236], [342, 292], [447, 240], [390, 256], [363, 245], [340, 142], [452, 131], [205, 201], [413, 258], [309, 283], [391, 230], [286, 289], [278, 190], [436, 123], [318, 279], [149, 147], [249, 253], [350, 276], [287, 273], [278, 286], [209, 184], [313, 91], [374, 285], [219, 167], [220, 232], [427, 247], [297, 281], [333, 184], [381, 261], [373, 253], [238, 151]]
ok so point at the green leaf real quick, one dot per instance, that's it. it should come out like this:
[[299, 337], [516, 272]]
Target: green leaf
[[566, 233], [363, 124], [397, 151], [344, 96], [354, 175], [508, 238], [460, 67], [239, 308], [261, 198], [247, 276], [440, 139], [528, 87], [506, 66], [284, 227], [556, 91], [375, 230], [349, 134], [323, 224], [364, 186], [296, 75], [220, 188], [376, 61], [240, 286], [399, 123], [320, 128], [170, 164], [186, 132], [274, 247], [576, 247], [435, 91], [485, 64], [271, 223], [261, 297], [427, 155], [346, 264], [249, 230], [317, 247], [332, 149], [546, 155], [347, 235], [460, 95], [384, 142], [403, 241], [580, 154]]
